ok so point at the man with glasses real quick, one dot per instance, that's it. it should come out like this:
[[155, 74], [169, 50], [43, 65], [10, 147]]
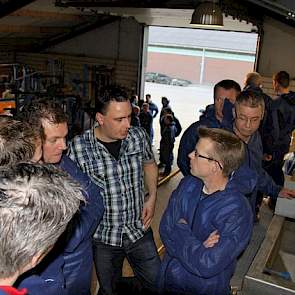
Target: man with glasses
[[249, 111], [208, 221], [212, 117]]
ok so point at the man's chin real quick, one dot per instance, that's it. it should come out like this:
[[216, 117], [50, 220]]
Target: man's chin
[[53, 160]]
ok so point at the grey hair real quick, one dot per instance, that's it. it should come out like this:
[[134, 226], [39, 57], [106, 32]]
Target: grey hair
[[17, 141], [36, 203]]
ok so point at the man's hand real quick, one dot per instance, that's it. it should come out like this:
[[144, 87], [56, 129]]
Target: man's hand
[[212, 240], [148, 212], [287, 193]]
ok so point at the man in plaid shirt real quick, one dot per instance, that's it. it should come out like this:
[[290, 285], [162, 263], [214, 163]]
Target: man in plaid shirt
[[119, 159]]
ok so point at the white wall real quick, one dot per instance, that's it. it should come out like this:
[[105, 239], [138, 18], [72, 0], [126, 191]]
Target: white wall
[[119, 40], [278, 47]]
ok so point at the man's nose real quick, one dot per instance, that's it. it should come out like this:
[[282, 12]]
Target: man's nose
[[62, 144], [248, 123], [127, 123]]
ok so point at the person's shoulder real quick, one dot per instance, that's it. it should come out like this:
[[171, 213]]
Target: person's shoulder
[[85, 136], [192, 128], [190, 182], [68, 165], [289, 98], [137, 133]]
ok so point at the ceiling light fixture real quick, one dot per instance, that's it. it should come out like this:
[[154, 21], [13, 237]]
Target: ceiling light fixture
[[207, 14]]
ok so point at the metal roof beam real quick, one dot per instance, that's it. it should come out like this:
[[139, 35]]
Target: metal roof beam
[[11, 6], [48, 15], [33, 29]]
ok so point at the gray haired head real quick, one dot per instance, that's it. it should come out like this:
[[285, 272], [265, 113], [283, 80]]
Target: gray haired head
[[36, 203]]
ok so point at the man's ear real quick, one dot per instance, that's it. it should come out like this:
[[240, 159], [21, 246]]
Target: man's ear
[[215, 167], [99, 118]]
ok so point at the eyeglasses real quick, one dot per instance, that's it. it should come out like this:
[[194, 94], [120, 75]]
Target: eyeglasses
[[197, 155]]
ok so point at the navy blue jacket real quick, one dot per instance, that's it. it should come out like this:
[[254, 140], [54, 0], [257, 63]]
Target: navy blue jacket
[[70, 269], [188, 267], [153, 109], [190, 136], [280, 124]]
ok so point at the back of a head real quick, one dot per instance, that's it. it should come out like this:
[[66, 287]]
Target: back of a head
[[228, 148], [17, 141], [282, 78], [114, 95], [36, 204], [43, 109], [253, 79], [251, 99], [227, 84]]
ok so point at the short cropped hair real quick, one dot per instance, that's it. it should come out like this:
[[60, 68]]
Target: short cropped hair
[[282, 78], [115, 95], [251, 99], [17, 141], [227, 85], [43, 109], [228, 148], [253, 79], [36, 203]]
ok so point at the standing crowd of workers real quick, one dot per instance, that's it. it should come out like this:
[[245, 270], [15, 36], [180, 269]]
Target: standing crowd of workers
[[65, 205]]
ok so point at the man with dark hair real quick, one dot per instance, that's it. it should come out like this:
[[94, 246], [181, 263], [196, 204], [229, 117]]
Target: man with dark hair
[[208, 221], [225, 90], [69, 268], [119, 158], [36, 204], [280, 123]]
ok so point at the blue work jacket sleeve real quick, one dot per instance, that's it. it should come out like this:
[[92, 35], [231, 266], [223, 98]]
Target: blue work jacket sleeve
[[89, 217], [90, 212]]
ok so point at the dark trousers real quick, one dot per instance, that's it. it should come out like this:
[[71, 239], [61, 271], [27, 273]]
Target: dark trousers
[[141, 255]]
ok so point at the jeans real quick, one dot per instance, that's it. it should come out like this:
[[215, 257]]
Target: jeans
[[141, 255]]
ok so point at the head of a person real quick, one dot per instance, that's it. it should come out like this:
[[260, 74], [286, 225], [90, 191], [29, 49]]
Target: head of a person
[[145, 107], [49, 117], [148, 98], [134, 99], [218, 152], [113, 114], [165, 101], [167, 110], [18, 142], [280, 80], [225, 89], [136, 110], [249, 111], [36, 203], [253, 79]]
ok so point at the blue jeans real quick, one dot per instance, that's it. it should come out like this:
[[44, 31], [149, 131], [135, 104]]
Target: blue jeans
[[141, 255]]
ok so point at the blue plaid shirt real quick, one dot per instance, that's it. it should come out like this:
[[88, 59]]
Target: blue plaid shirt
[[121, 181]]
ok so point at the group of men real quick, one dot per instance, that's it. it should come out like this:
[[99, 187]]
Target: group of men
[[111, 185]]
